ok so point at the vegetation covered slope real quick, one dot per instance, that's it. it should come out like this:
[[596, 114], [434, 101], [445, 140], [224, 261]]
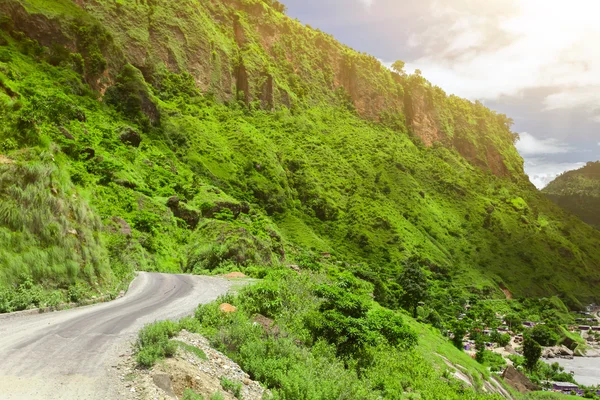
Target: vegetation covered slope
[[578, 191], [205, 134]]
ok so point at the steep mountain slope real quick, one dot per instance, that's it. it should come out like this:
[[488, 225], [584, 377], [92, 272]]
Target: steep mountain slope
[[578, 191], [206, 134]]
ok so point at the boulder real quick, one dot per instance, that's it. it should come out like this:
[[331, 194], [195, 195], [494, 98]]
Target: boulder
[[235, 208], [234, 275], [66, 133], [294, 267], [131, 137], [564, 351], [570, 343], [548, 352], [124, 228], [179, 210], [518, 380], [227, 308], [267, 324], [163, 381]]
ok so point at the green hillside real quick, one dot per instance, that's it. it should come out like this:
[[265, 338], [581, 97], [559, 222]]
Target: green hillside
[[578, 192], [279, 143], [208, 136]]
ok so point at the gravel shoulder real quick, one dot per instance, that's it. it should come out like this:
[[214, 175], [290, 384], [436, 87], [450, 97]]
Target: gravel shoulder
[[73, 354]]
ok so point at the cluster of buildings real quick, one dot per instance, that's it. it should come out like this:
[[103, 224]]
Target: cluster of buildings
[[570, 389]]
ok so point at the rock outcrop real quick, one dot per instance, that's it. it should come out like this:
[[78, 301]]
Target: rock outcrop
[[518, 380]]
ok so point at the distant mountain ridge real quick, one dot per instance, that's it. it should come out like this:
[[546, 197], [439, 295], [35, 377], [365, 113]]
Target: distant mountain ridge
[[578, 191]]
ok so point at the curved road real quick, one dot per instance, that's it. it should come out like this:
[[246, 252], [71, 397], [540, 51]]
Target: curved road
[[73, 354]]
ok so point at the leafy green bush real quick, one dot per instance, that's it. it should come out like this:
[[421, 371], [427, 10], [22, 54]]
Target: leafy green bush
[[544, 335], [231, 386], [154, 342]]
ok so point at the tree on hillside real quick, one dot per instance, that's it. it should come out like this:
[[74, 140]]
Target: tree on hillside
[[544, 335], [398, 67], [532, 352], [277, 5], [459, 331], [480, 347], [513, 320], [415, 287]]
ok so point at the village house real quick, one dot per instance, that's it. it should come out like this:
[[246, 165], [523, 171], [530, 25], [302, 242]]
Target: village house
[[564, 387]]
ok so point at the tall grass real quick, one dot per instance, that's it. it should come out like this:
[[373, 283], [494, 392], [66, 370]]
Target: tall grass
[[48, 234]]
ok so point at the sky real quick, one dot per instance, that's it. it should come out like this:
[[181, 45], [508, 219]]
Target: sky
[[536, 61]]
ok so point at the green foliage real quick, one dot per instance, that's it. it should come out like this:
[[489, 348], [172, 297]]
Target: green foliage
[[381, 357], [414, 287], [131, 96], [233, 387], [189, 394], [544, 335], [398, 67], [320, 178], [543, 372], [459, 331], [192, 349], [217, 396], [154, 343], [503, 339], [532, 352], [480, 347]]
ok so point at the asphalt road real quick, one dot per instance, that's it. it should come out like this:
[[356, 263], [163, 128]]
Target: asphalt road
[[72, 354]]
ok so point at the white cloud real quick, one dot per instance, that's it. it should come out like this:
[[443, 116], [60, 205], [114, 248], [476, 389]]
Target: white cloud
[[485, 50], [529, 145], [367, 3], [542, 171]]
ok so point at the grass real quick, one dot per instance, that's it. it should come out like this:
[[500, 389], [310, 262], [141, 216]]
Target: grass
[[233, 387], [155, 341], [189, 394], [192, 349]]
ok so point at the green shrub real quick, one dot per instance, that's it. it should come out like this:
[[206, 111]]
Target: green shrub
[[544, 335], [233, 387], [154, 343], [189, 394]]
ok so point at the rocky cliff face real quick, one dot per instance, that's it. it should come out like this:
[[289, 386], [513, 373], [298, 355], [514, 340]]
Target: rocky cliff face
[[240, 50]]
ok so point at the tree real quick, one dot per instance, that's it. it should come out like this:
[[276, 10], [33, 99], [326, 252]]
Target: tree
[[398, 67], [480, 347], [532, 352], [513, 321], [459, 333], [544, 335], [415, 287]]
